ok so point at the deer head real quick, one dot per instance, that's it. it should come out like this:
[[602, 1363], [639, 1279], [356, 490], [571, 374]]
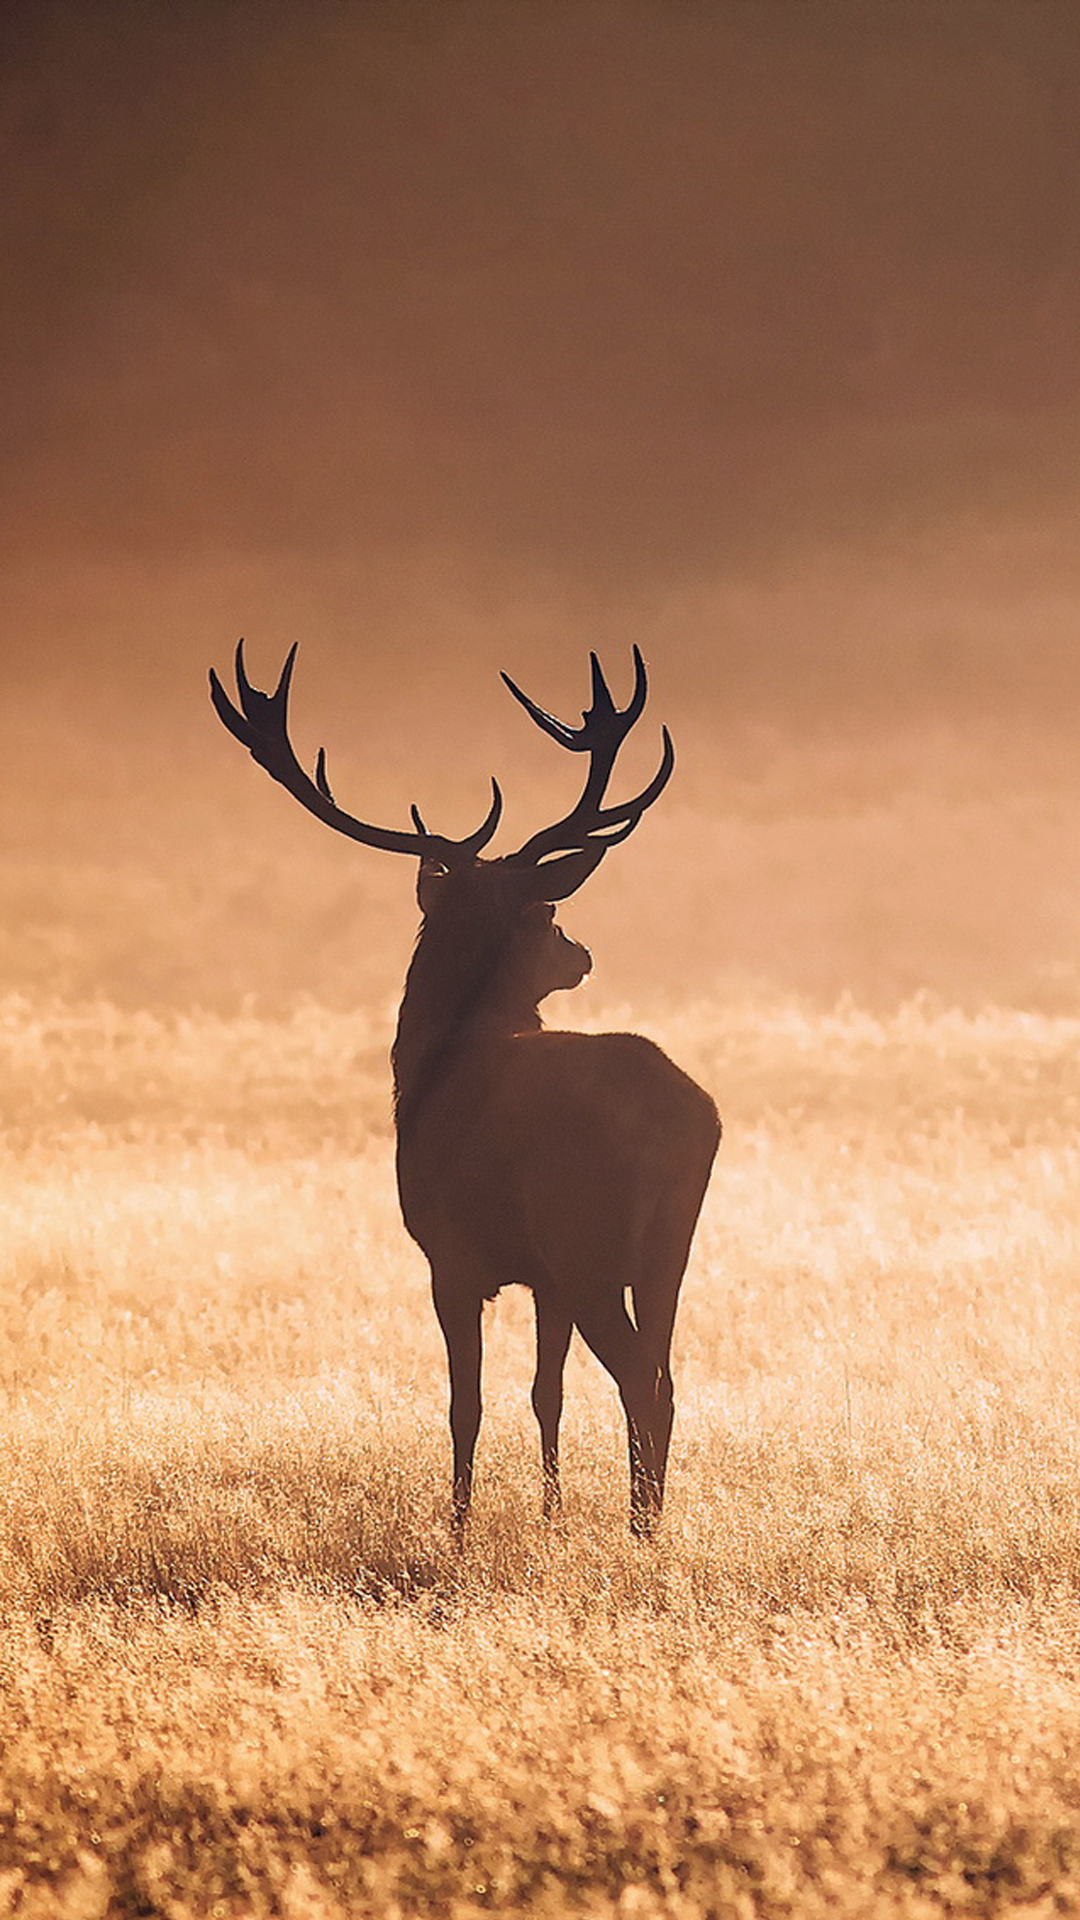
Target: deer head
[[548, 867]]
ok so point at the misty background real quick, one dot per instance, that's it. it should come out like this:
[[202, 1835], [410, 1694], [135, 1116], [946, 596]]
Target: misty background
[[446, 338]]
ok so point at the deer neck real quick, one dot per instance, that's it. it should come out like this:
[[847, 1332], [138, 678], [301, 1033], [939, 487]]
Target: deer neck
[[457, 1008]]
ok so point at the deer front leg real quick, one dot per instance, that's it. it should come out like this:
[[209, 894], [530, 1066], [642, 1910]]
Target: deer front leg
[[459, 1318], [553, 1329]]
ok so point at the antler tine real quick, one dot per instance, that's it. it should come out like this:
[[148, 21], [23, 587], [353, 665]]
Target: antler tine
[[566, 736], [641, 688], [261, 724], [604, 727], [602, 702]]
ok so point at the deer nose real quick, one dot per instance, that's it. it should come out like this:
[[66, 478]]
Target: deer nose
[[586, 960]]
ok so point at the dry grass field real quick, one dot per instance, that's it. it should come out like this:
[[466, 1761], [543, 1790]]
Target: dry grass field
[[243, 1669]]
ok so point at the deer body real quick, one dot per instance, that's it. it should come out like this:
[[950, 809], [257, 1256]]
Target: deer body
[[574, 1164]]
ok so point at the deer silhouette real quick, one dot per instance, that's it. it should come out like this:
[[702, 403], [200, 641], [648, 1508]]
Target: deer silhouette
[[574, 1164]]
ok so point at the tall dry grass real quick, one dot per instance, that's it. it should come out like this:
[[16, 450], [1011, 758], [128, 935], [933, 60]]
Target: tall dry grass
[[243, 1669]]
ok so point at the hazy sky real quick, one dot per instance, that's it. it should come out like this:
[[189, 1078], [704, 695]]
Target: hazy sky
[[594, 306], [451, 337]]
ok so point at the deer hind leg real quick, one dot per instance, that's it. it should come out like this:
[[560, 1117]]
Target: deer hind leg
[[459, 1317], [654, 1313], [665, 1252], [608, 1330], [553, 1329]]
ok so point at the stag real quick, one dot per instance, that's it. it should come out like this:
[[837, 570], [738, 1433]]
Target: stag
[[574, 1164]]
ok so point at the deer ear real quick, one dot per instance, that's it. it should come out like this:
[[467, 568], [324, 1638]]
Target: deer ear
[[557, 879], [430, 882]]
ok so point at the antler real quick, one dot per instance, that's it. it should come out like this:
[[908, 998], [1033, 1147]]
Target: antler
[[261, 724], [590, 826]]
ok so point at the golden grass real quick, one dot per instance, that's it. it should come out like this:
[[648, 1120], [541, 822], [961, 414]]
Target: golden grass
[[243, 1669]]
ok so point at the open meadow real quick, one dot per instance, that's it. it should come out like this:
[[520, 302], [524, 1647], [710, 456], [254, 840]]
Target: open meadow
[[244, 1670]]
